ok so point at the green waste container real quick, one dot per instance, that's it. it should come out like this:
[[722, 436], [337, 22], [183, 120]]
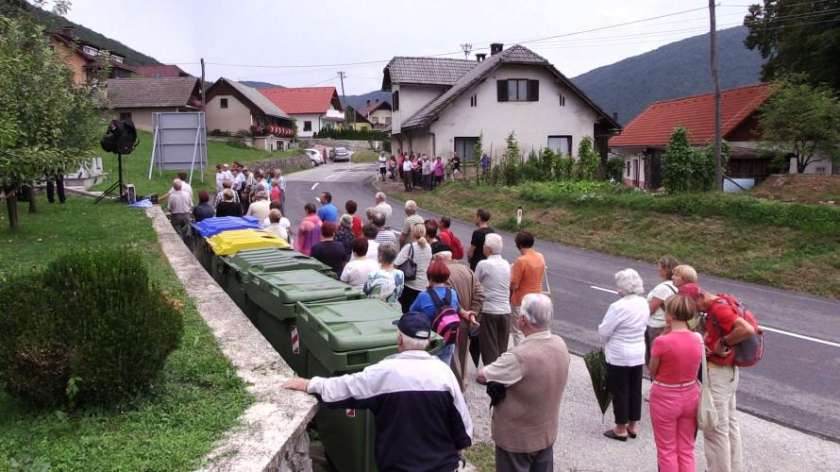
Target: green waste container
[[274, 296], [341, 338]]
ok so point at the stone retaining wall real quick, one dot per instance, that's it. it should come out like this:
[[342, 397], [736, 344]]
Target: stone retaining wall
[[271, 435]]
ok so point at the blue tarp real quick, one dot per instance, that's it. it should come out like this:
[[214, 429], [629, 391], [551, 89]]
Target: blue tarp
[[212, 226]]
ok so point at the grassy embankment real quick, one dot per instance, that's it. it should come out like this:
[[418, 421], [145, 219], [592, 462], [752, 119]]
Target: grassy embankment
[[364, 156], [197, 398], [136, 165], [791, 246]]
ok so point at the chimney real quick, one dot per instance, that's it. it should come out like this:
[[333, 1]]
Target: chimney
[[496, 48], [377, 101], [480, 57], [67, 31]]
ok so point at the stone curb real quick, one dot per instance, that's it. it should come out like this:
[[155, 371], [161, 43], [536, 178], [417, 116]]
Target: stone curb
[[271, 434]]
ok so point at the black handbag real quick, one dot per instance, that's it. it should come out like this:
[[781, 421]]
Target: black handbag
[[409, 267]]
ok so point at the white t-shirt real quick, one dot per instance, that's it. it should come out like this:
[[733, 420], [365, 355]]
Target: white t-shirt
[[422, 257], [407, 166], [373, 251], [382, 161], [494, 275], [385, 209], [623, 331], [279, 229], [356, 271], [663, 291], [185, 187]]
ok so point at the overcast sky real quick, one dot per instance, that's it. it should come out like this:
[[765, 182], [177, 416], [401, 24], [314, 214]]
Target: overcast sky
[[249, 39]]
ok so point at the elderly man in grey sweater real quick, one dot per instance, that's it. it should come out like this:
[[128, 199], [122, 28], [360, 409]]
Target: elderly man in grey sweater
[[533, 374]]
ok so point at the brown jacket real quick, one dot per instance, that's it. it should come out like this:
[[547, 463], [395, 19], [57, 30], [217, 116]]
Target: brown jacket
[[471, 297], [527, 419]]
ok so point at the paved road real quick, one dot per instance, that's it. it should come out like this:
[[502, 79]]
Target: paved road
[[797, 383]]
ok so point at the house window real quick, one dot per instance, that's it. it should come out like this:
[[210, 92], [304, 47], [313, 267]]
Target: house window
[[474, 101], [395, 100], [562, 101], [518, 90], [223, 102], [307, 126], [387, 120], [561, 145], [90, 51], [125, 116], [819, 171], [117, 59]]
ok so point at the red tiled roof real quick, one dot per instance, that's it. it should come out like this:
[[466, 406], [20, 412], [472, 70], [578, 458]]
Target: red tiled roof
[[653, 127], [160, 71], [303, 99]]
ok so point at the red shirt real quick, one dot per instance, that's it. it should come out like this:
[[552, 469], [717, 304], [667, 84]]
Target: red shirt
[[447, 237], [357, 226], [726, 317], [679, 356]]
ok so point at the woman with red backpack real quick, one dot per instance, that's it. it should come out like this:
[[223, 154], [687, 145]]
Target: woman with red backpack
[[440, 304]]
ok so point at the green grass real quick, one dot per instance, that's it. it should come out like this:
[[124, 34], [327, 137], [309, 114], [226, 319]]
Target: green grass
[[482, 455], [785, 256], [136, 165], [364, 156], [197, 398]]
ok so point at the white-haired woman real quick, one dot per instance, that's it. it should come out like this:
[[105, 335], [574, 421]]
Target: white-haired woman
[[494, 275], [623, 334]]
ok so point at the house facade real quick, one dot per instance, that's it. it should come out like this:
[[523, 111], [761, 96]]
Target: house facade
[[643, 141], [312, 108], [233, 107], [442, 106], [355, 120], [137, 99], [82, 58], [378, 113]]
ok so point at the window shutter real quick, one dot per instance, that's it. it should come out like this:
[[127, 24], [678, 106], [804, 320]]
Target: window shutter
[[533, 90], [502, 90]]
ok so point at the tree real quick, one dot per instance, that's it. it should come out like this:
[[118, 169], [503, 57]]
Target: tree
[[802, 121], [689, 169], [511, 160], [47, 125], [796, 36], [588, 161]]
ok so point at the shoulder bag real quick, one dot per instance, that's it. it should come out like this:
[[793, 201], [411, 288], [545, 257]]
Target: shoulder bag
[[707, 416], [409, 267]]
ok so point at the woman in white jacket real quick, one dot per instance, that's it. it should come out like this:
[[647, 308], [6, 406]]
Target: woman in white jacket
[[623, 334]]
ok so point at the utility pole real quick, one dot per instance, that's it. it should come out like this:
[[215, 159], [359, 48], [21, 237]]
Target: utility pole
[[716, 81], [341, 76], [203, 97], [467, 48]]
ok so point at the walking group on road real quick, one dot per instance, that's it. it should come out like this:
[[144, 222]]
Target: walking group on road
[[497, 316]]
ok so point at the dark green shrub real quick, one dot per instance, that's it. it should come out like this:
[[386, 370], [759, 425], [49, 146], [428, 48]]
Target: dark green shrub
[[89, 329], [615, 169]]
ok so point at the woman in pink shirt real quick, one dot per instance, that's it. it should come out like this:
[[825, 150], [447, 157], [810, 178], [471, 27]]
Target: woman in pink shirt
[[674, 361], [309, 231]]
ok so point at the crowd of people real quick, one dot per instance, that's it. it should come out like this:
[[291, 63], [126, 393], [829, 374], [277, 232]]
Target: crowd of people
[[497, 315], [418, 171]]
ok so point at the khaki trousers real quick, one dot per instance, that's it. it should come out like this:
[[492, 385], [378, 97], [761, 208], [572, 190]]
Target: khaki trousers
[[515, 333], [723, 444]]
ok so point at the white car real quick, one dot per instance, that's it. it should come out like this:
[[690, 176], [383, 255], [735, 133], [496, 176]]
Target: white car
[[315, 157], [342, 154]]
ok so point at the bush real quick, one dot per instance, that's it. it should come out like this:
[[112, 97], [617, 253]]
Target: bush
[[615, 169], [89, 330], [353, 134]]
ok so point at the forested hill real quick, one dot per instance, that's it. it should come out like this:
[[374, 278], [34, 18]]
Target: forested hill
[[52, 22], [675, 70]]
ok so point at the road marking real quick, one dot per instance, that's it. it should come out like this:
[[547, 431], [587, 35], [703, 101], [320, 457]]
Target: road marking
[[800, 336], [314, 185], [765, 328]]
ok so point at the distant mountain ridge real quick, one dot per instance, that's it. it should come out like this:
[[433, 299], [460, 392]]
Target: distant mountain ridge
[[675, 70], [259, 84], [53, 22]]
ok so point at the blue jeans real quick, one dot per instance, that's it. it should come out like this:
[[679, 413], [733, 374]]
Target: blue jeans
[[446, 352]]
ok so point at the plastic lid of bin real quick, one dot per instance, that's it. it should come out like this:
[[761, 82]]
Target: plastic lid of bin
[[349, 325], [273, 260], [302, 286], [231, 242]]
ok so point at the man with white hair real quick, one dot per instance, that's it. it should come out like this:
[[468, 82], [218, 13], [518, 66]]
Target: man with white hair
[[422, 420], [180, 208], [494, 275], [260, 207], [526, 385], [382, 206], [411, 219]]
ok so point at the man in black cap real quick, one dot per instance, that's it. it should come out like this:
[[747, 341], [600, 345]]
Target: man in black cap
[[422, 421]]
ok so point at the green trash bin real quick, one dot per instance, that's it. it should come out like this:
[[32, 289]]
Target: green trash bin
[[341, 338], [274, 296]]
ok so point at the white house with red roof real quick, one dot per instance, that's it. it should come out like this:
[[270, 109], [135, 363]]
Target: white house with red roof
[[642, 142], [312, 108]]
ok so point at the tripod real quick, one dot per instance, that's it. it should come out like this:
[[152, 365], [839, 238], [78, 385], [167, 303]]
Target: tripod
[[116, 186]]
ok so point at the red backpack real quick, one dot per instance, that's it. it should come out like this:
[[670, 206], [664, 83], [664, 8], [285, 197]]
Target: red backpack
[[446, 319], [749, 351]]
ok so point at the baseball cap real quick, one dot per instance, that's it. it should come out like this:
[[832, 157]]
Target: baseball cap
[[414, 325], [691, 290]]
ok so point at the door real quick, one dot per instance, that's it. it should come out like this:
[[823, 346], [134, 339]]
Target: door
[[635, 172], [465, 148]]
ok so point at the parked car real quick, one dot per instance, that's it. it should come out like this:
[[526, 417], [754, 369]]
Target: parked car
[[342, 154], [315, 157]]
